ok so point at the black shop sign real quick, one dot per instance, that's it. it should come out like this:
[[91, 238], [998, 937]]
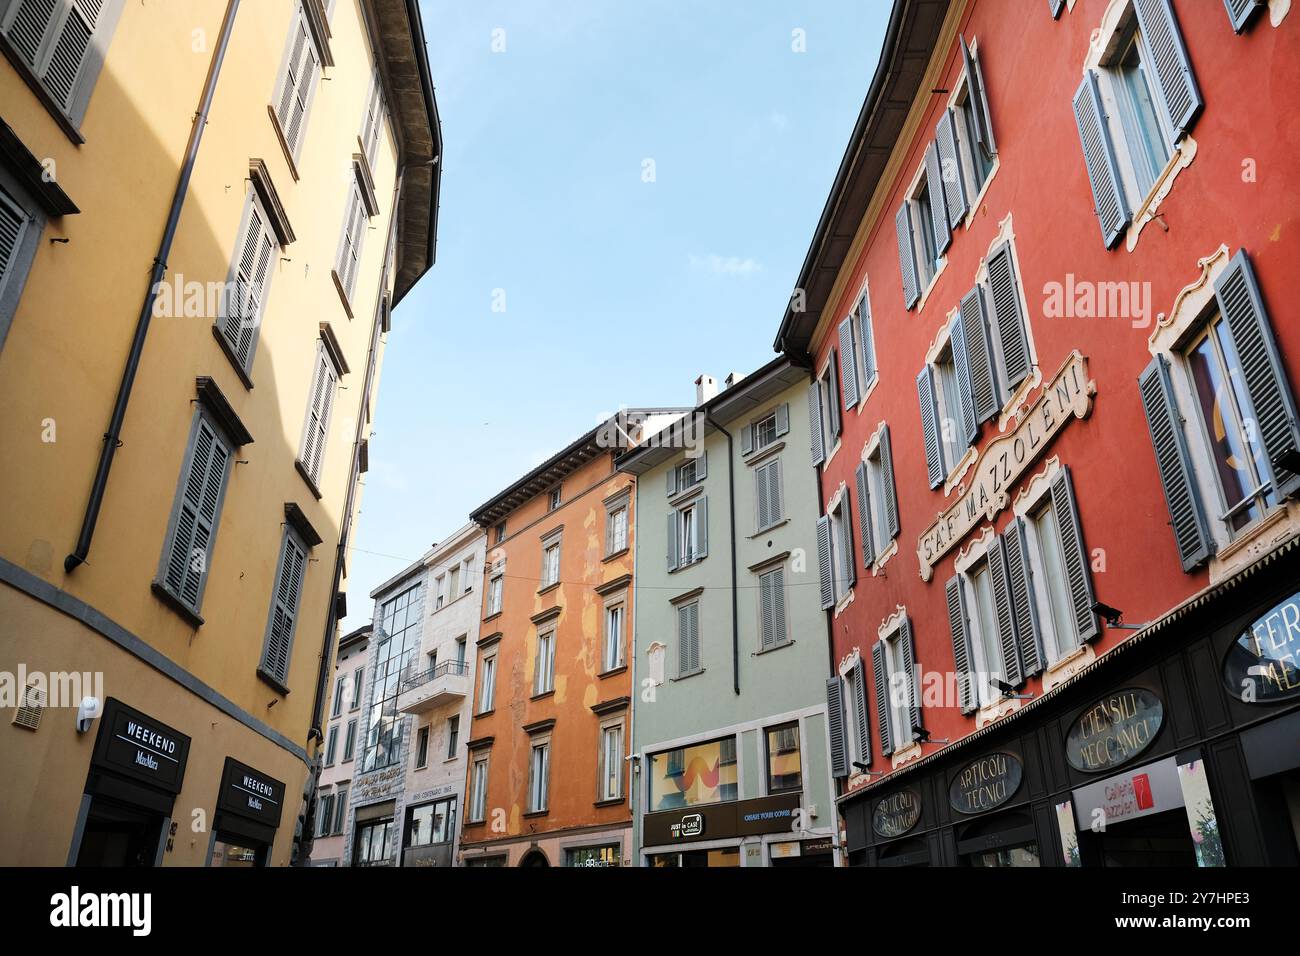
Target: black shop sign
[[1114, 730], [1263, 663], [986, 783], [135, 744], [895, 814], [250, 793]]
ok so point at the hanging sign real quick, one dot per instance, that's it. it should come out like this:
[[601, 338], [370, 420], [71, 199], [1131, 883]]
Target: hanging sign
[[986, 783], [896, 814], [1114, 730], [1263, 663]]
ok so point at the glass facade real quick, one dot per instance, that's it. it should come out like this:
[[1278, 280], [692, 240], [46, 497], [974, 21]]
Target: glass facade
[[398, 635]]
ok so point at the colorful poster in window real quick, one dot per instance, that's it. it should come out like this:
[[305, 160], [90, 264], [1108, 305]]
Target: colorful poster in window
[[1069, 835], [1200, 814], [691, 776]]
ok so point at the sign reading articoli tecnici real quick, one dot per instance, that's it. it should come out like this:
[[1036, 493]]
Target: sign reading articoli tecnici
[[986, 783], [1114, 730], [1263, 663]]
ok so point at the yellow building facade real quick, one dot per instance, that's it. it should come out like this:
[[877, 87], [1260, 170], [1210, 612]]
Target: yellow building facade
[[207, 210]]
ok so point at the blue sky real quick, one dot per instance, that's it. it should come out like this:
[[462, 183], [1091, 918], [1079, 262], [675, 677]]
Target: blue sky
[[617, 291]]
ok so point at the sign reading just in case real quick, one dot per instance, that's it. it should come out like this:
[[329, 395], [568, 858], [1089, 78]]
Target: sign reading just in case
[[250, 793], [140, 747]]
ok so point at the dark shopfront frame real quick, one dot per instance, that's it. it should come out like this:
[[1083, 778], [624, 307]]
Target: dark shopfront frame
[[1244, 745], [250, 805]]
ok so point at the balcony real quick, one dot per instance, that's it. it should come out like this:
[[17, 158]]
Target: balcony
[[445, 684]]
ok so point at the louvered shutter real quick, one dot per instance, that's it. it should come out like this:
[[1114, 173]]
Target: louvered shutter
[[299, 87], [1008, 315], [985, 397], [1240, 12], [672, 481], [201, 488], [702, 527], [961, 653], [861, 722], [815, 423], [350, 249], [1271, 398], [824, 562], [1173, 71], [889, 506], [867, 342], [833, 382], [27, 27], [284, 609], [688, 633], [849, 564], [761, 506], [954, 183], [907, 256], [938, 201], [864, 516], [835, 723], [774, 503], [782, 419], [746, 440], [929, 425], [882, 698], [68, 54], [778, 607], [1177, 476], [672, 540], [907, 650], [850, 352], [252, 272], [979, 98], [1004, 610], [1020, 588], [702, 466], [965, 400], [12, 223], [1078, 571], [324, 385], [1099, 156], [765, 625], [1056, 6]]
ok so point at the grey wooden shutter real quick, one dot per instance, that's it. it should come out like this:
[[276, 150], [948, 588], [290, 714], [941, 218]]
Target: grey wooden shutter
[[68, 54], [907, 256], [252, 270], [688, 638], [979, 99], [1009, 316], [965, 387], [27, 27], [782, 419], [1271, 397], [985, 397], [350, 248], [864, 516], [747, 439], [1177, 476], [12, 221], [824, 562], [954, 183], [929, 425], [850, 352], [1008, 635], [862, 724], [777, 590], [1173, 71], [961, 653], [284, 609], [882, 698], [203, 483], [1108, 200], [672, 481], [907, 650], [868, 344], [835, 723], [1024, 609], [1056, 6], [1078, 571], [324, 385], [701, 466], [766, 626], [298, 85], [763, 510], [1240, 12], [774, 503], [938, 202], [672, 540], [815, 423], [702, 527], [847, 559], [832, 403], [890, 504]]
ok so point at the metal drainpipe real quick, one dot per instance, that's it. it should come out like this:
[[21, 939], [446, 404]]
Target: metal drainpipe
[[112, 437], [731, 505], [633, 766]]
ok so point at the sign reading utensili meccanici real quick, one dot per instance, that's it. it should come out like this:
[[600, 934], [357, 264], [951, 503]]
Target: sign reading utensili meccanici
[[1114, 730], [250, 793], [1006, 458], [133, 743]]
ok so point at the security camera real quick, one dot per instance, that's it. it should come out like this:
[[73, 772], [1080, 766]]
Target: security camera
[[86, 713]]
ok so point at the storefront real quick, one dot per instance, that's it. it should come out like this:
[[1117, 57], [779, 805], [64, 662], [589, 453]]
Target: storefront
[[714, 835], [429, 832], [1179, 748], [249, 807], [374, 833], [136, 770]]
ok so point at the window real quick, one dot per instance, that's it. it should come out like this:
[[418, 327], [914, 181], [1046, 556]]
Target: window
[[612, 656], [398, 637], [608, 855], [340, 809], [877, 500], [539, 773], [544, 664], [324, 814], [296, 87], [693, 776], [431, 823], [460, 654], [187, 550], [611, 761], [1054, 597], [688, 639], [688, 533], [836, 563], [824, 411], [953, 437], [350, 741], [324, 385], [857, 353], [357, 677], [550, 564], [616, 530], [372, 121], [849, 730], [340, 683], [282, 620], [771, 609], [495, 585], [985, 636], [768, 504], [487, 684], [332, 746], [553, 500], [765, 431], [453, 583], [349, 252], [1149, 147], [453, 735], [372, 840], [467, 576], [978, 158], [478, 790], [927, 243], [440, 589], [783, 765], [248, 284], [21, 223], [499, 533], [422, 748], [898, 704]]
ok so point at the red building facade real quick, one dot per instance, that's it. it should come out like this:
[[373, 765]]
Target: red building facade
[[1050, 310]]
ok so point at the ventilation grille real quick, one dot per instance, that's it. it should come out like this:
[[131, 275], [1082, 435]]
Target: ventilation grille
[[29, 712]]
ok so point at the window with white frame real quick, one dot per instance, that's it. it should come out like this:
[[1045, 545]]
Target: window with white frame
[[372, 121], [300, 73], [855, 696], [688, 528], [765, 431], [453, 735], [836, 563], [550, 562], [350, 741], [921, 205], [440, 589], [324, 386], [986, 664], [478, 779], [539, 774], [772, 626], [496, 586], [340, 684], [348, 259], [612, 656], [248, 285], [487, 684], [898, 702], [878, 525], [422, 748], [857, 353], [553, 499], [616, 527], [466, 576], [611, 760], [784, 764], [544, 663]]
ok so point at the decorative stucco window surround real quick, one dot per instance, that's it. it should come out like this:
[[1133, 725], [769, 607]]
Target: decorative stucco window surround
[[975, 551], [869, 451], [889, 631], [910, 196]]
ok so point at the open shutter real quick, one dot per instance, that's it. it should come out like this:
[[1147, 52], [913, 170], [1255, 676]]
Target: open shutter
[[1078, 571], [864, 516], [849, 352], [815, 423], [1174, 76], [672, 481], [850, 563], [954, 183], [1024, 610], [868, 344], [1055, 6], [929, 425], [69, 50], [782, 419], [702, 527], [907, 256], [961, 653], [251, 271], [1008, 315], [12, 221], [1099, 155], [702, 466], [672, 540], [882, 698], [835, 722], [1183, 498], [1271, 397], [747, 439], [284, 610], [200, 498], [985, 399], [27, 27], [833, 381], [889, 506], [824, 561], [938, 201], [1008, 635], [979, 97], [1240, 12], [965, 399], [861, 721], [907, 650]]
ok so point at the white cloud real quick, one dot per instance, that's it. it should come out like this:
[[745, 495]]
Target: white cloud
[[725, 265]]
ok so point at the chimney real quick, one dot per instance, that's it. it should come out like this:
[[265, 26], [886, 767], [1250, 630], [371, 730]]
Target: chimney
[[706, 386], [732, 379]]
